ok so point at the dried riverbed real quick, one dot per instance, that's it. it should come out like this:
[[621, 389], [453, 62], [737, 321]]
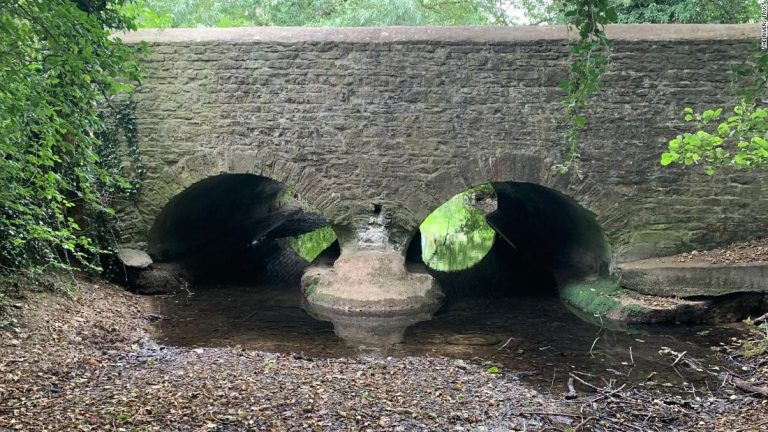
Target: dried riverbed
[[93, 363]]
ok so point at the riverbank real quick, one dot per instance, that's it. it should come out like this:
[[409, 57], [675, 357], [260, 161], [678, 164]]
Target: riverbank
[[91, 363]]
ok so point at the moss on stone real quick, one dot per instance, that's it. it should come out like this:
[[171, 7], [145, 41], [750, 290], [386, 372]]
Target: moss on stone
[[604, 298], [593, 298]]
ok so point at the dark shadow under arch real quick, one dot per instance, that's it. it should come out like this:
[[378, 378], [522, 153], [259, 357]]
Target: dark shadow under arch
[[233, 227], [544, 240]]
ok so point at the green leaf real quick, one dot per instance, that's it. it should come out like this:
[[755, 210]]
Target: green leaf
[[668, 158]]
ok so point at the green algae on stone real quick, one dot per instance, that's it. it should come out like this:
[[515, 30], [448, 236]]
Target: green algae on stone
[[594, 298]]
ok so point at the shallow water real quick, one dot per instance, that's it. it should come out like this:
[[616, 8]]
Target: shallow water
[[538, 339]]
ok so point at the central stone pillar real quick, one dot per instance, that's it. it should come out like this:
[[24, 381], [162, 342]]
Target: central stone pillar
[[369, 294]]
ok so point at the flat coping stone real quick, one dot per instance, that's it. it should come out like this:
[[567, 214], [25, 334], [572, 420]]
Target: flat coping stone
[[665, 277], [134, 258], [616, 32]]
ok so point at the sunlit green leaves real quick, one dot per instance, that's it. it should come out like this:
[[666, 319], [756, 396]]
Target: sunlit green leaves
[[456, 235], [740, 141], [311, 244], [323, 13], [687, 11]]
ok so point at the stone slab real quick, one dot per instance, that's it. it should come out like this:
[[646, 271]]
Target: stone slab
[[134, 258], [662, 277], [629, 32]]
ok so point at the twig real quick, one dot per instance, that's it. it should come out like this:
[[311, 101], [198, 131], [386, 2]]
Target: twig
[[549, 413], [571, 393], [583, 422], [593, 346], [584, 382], [506, 343], [761, 318], [678, 358], [554, 374]]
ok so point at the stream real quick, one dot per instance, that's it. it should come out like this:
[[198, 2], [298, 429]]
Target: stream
[[535, 338]]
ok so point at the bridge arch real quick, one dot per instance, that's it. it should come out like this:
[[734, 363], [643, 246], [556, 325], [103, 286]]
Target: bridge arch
[[313, 189], [585, 191], [543, 240], [226, 226]]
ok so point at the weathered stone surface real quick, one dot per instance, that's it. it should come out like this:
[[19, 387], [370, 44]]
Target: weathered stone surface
[[665, 277], [134, 258], [370, 296], [400, 120], [161, 278]]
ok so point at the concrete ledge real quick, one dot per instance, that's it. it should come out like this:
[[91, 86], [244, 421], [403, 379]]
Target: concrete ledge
[[604, 301], [619, 32], [662, 277]]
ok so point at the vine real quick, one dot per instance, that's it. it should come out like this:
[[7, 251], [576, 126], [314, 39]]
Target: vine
[[590, 56], [118, 147]]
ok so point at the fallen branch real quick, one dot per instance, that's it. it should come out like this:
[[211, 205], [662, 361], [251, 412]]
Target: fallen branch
[[745, 386], [761, 319]]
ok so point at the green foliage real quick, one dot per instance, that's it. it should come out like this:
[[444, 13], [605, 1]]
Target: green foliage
[[456, 235], [653, 11], [334, 13], [589, 61], [58, 64], [687, 11], [311, 244], [739, 140]]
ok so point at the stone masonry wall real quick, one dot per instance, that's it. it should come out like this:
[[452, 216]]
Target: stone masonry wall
[[407, 117]]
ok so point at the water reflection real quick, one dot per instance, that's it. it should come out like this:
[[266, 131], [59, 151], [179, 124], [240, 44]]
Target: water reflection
[[456, 235], [538, 336]]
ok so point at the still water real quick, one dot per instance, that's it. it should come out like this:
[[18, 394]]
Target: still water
[[537, 338]]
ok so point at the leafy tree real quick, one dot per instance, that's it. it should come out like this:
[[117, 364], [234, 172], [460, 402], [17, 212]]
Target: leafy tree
[[57, 65], [688, 11], [336, 13], [651, 11]]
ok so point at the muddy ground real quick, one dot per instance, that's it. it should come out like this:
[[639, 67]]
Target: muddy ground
[[90, 363]]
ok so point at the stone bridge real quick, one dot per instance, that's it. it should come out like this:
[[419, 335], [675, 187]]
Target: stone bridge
[[374, 128]]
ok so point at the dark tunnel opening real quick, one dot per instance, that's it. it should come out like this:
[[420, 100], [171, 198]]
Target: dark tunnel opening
[[542, 240], [239, 228]]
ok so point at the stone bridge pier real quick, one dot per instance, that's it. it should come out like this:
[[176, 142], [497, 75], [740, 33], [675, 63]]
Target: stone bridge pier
[[374, 128], [369, 293]]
